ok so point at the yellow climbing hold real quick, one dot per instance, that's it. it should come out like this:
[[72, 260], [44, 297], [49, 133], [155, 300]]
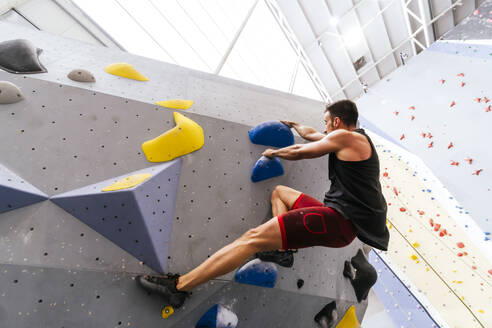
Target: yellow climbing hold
[[176, 103], [415, 244], [167, 312], [349, 319], [414, 257], [481, 311], [184, 138], [125, 70], [128, 182]]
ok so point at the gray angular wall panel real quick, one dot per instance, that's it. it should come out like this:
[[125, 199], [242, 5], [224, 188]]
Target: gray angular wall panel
[[138, 219], [15, 192]]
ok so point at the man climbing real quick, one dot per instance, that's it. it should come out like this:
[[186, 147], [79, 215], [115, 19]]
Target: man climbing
[[354, 206]]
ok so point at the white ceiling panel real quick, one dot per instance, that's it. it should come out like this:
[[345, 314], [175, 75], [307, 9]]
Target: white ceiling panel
[[447, 21], [297, 22]]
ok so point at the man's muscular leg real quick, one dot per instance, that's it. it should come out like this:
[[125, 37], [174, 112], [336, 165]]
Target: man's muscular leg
[[262, 238], [283, 199]]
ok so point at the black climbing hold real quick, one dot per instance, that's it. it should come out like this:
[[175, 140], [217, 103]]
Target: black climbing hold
[[361, 274], [282, 258], [20, 57], [300, 283], [327, 317]]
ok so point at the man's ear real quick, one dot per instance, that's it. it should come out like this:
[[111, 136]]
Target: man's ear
[[336, 122]]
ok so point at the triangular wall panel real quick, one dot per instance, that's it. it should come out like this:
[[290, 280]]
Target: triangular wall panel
[[15, 192], [138, 219]]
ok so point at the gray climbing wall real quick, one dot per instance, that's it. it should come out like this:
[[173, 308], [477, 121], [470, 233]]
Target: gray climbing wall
[[65, 135], [453, 108]]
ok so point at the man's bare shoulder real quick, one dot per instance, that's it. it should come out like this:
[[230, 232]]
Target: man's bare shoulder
[[342, 136]]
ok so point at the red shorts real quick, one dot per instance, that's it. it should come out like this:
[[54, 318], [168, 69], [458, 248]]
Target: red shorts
[[310, 223]]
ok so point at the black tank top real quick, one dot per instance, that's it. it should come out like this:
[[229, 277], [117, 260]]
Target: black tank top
[[355, 192]]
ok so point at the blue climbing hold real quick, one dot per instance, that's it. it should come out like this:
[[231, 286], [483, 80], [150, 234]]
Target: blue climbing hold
[[218, 316], [266, 168], [258, 273], [272, 133]]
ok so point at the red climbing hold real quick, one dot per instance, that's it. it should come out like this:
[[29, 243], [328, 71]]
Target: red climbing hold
[[474, 267], [450, 145], [452, 104], [411, 107], [403, 209], [402, 137], [396, 113], [476, 12], [455, 163], [460, 254], [462, 84], [395, 191], [487, 109], [490, 271], [431, 222], [477, 172], [437, 226], [431, 144], [469, 160], [442, 81], [485, 99], [460, 244], [421, 212], [385, 174], [478, 100], [423, 134], [412, 118], [461, 75], [442, 233], [429, 135]]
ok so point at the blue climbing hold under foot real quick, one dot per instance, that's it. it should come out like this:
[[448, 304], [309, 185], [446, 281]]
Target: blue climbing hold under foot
[[258, 273]]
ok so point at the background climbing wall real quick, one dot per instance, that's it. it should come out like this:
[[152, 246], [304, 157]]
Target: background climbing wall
[[432, 247], [437, 107], [66, 135]]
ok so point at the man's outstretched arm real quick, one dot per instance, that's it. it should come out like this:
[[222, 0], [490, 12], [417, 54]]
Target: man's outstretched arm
[[306, 132], [330, 143]]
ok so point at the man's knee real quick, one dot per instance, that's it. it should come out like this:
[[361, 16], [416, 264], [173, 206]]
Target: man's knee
[[277, 191]]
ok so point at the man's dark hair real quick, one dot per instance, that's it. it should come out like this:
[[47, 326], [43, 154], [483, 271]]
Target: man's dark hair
[[345, 109]]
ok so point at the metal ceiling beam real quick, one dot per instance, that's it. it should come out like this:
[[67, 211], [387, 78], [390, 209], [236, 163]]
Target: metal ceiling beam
[[425, 22], [87, 23], [6, 5], [236, 37], [146, 32], [301, 53], [177, 32]]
